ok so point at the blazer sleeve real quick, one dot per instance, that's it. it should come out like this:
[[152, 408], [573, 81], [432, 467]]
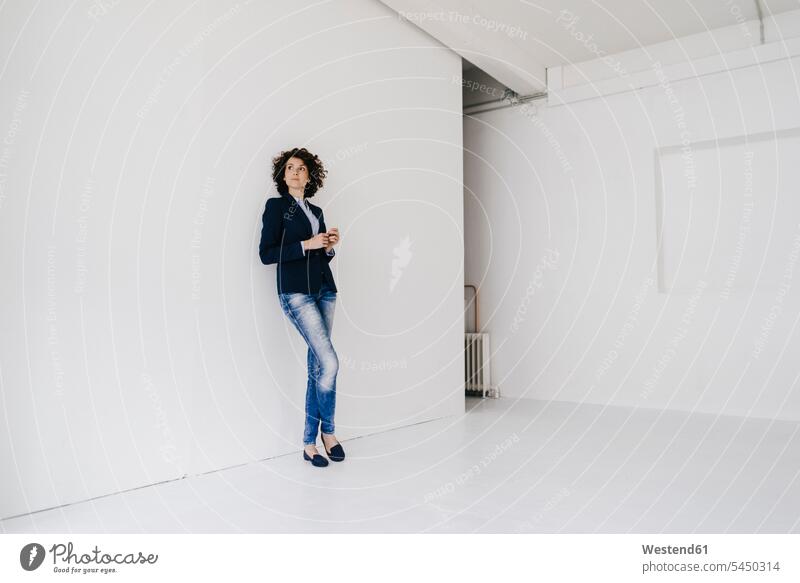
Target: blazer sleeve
[[272, 248], [322, 228]]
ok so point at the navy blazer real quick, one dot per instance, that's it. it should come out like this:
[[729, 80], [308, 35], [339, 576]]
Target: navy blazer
[[284, 226]]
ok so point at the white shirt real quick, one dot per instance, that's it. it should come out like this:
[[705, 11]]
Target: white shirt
[[303, 204]]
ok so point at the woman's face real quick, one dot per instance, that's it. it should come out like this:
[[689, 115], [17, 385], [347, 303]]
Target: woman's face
[[296, 173]]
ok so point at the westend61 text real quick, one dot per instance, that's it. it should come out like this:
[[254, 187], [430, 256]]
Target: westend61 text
[[670, 550]]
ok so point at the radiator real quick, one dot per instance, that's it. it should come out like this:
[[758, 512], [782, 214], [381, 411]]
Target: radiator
[[477, 372]]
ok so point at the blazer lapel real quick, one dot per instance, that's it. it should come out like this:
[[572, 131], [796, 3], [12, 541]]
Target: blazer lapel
[[297, 211]]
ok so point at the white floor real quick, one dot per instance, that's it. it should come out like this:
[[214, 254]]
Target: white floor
[[504, 466]]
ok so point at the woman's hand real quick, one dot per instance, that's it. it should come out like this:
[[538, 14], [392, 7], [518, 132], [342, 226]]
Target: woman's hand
[[333, 238], [317, 241]]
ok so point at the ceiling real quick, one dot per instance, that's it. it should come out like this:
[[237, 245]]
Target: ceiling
[[516, 40]]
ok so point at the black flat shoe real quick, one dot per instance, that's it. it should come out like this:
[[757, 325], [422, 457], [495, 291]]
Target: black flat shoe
[[317, 460], [336, 453]]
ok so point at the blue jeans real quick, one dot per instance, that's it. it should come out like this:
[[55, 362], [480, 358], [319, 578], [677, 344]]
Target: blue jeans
[[312, 315]]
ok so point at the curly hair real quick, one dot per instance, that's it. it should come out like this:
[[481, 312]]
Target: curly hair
[[316, 170]]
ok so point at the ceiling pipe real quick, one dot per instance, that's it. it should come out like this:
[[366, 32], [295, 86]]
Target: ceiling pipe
[[510, 99], [760, 19]]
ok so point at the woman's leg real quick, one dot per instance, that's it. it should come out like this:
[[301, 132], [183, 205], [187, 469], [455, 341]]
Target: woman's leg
[[312, 407], [326, 399], [309, 319]]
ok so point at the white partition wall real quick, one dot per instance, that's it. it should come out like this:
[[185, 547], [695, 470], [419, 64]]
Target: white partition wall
[[142, 339]]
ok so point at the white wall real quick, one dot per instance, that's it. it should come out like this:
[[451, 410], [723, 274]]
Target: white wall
[[561, 220], [142, 339]]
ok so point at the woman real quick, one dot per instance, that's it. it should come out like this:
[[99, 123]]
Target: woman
[[294, 236]]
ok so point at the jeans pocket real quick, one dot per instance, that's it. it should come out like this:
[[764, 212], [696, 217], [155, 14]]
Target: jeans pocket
[[288, 297], [293, 301]]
